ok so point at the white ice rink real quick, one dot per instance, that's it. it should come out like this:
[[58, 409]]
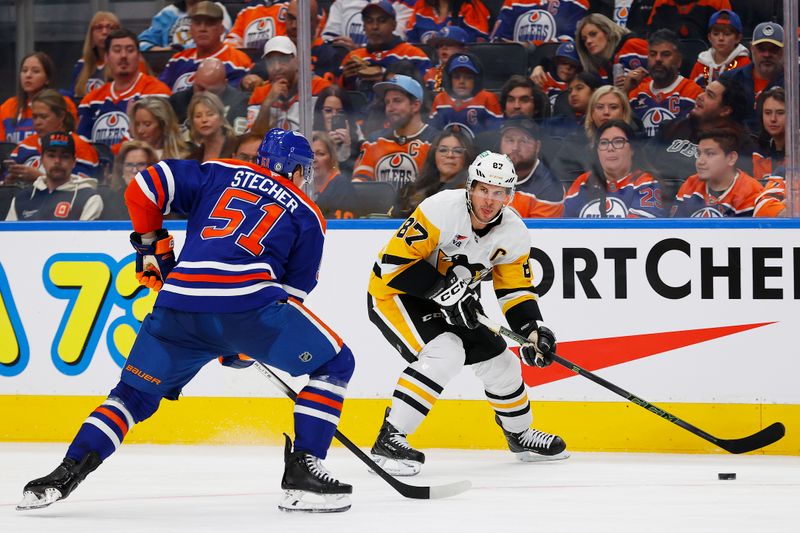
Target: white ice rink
[[152, 489]]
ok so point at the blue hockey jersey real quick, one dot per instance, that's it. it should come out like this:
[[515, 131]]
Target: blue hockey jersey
[[252, 237], [539, 21]]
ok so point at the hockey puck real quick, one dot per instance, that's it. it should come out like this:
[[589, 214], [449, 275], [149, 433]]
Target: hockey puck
[[726, 475]]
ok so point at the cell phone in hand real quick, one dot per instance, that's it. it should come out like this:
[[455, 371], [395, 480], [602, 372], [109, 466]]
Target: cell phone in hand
[[338, 122]]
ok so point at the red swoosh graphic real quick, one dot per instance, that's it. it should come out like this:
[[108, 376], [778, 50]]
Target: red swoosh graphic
[[594, 354]]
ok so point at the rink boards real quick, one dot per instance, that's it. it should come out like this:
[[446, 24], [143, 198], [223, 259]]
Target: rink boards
[[699, 317]]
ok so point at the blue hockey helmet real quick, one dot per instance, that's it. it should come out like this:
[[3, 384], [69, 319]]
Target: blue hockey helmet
[[283, 151]]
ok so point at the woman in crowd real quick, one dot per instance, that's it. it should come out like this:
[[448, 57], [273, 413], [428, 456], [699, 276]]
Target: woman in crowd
[[87, 74], [615, 188], [209, 129], [50, 114], [445, 166], [574, 157], [334, 114], [36, 73], [133, 157], [769, 157], [333, 192], [609, 50], [153, 121], [430, 16]]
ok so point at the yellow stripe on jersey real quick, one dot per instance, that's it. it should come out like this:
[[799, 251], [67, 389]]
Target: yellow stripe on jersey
[[416, 240], [510, 276], [396, 318], [509, 405]]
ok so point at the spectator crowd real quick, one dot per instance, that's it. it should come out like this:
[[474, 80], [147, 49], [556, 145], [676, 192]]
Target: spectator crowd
[[618, 109]]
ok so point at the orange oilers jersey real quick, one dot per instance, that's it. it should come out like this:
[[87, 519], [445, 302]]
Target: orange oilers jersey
[[477, 114], [765, 165], [401, 51], [285, 114], [439, 234], [257, 24], [705, 70], [694, 199], [656, 106], [433, 79], [473, 18], [772, 200], [394, 159], [631, 55], [539, 195], [686, 19], [12, 132], [29, 152], [552, 87]]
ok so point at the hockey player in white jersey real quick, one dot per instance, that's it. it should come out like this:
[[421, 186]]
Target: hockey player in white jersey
[[424, 296]]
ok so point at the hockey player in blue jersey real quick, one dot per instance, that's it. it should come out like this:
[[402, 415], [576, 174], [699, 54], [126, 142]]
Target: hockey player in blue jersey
[[252, 254]]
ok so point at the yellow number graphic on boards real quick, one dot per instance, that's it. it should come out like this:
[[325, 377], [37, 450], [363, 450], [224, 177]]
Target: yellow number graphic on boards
[[14, 351], [123, 330], [83, 280]]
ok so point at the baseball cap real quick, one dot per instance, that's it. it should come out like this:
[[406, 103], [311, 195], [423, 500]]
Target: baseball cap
[[206, 9], [521, 123], [280, 44], [567, 51], [461, 61], [731, 20], [383, 5], [449, 34], [768, 32], [404, 83], [58, 139]]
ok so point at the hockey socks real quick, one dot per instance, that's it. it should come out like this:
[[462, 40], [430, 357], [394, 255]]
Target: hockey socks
[[316, 416], [513, 409], [414, 397]]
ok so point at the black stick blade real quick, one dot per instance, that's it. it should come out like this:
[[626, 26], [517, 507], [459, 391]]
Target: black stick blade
[[765, 437]]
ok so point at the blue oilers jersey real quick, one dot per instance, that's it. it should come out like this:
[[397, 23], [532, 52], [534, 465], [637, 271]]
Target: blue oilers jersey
[[252, 237], [539, 21], [637, 195]]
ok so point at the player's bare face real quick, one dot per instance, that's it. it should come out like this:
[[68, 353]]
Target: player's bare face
[[147, 128], [768, 59], [207, 122], [723, 39], [593, 39], [615, 153], [463, 82], [774, 116], [487, 201], [58, 164], [32, 76], [44, 119], [206, 32], [608, 107], [378, 26], [122, 57], [399, 108], [713, 164], [450, 158], [520, 102], [663, 62]]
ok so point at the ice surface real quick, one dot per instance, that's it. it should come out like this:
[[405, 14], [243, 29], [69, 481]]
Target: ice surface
[[152, 489]]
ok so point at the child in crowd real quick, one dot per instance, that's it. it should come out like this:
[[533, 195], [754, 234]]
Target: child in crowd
[[726, 52], [464, 101], [566, 64], [450, 40]]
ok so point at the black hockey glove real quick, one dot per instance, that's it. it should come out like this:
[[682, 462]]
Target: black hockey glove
[[541, 342], [458, 301]]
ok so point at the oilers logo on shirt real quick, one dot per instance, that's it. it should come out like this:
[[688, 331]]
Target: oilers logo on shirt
[[535, 25], [184, 81], [110, 128], [615, 208], [707, 212], [399, 169], [259, 32], [354, 28], [653, 118], [428, 35], [93, 83]]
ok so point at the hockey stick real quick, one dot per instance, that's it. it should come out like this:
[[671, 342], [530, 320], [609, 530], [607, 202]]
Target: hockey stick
[[757, 440], [409, 491]]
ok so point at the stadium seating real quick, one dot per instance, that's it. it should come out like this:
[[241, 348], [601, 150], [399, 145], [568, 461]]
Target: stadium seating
[[500, 61]]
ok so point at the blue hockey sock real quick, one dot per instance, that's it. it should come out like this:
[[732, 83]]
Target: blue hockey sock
[[103, 431]]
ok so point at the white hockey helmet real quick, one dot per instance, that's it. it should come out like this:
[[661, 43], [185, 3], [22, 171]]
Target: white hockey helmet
[[493, 169]]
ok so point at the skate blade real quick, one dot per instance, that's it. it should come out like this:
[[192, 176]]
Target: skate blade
[[31, 501], [397, 467], [302, 501], [532, 457]]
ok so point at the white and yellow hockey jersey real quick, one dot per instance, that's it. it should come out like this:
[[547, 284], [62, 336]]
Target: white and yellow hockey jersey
[[438, 235]]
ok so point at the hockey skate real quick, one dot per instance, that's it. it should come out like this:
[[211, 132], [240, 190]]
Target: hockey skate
[[58, 484], [532, 445], [393, 453], [309, 487]]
